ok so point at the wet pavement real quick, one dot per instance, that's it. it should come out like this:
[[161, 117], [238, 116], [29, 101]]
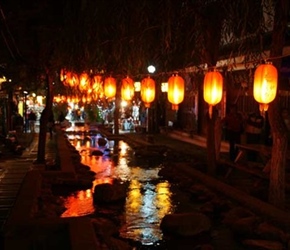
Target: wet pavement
[[14, 168]]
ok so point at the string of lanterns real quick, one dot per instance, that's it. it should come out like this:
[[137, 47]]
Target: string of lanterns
[[264, 87]]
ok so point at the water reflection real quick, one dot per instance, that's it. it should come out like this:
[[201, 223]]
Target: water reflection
[[148, 198]]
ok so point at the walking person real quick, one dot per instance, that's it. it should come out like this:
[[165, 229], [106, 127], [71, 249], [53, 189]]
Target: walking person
[[31, 121], [233, 123], [50, 124]]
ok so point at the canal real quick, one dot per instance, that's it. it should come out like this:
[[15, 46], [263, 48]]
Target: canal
[[149, 195]]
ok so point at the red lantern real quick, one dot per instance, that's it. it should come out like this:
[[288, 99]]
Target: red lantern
[[212, 89], [265, 85], [62, 76], [147, 91], [110, 87], [96, 82], [84, 83], [72, 79], [127, 89], [175, 91]]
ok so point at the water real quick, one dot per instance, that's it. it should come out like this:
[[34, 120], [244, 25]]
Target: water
[[149, 197], [148, 200]]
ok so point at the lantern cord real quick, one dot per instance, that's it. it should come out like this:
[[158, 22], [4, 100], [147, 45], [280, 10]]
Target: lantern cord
[[204, 68], [227, 67]]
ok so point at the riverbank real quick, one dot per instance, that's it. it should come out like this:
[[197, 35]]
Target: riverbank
[[80, 232]]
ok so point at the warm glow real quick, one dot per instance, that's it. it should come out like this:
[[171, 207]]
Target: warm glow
[[62, 75], [124, 104], [164, 87], [212, 89], [163, 198], [97, 82], [127, 89], [123, 148], [134, 198], [110, 87], [84, 82], [137, 86], [147, 91], [265, 85], [72, 79], [175, 91], [39, 99]]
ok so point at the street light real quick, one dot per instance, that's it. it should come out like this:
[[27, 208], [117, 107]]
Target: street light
[[151, 69]]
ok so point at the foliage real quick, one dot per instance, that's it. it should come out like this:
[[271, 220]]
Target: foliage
[[124, 37], [93, 113]]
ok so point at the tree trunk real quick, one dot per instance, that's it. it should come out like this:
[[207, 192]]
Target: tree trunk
[[278, 128], [44, 120], [211, 145], [117, 108]]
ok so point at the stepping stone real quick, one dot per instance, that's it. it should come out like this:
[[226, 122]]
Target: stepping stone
[[4, 203]]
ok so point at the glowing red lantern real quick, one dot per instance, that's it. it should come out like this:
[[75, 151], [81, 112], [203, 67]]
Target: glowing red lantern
[[147, 91], [212, 89], [265, 85], [72, 79], [175, 91], [96, 82], [127, 89], [84, 82], [62, 76], [110, 86]]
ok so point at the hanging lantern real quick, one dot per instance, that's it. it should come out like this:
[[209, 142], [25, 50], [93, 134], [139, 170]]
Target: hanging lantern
[[97, 82], [62, 77], [84, 83], [67, 79], [127, 89], [147, 91], [175, 91], [265, 85], [72, 79], [110, 86], [212, 89]]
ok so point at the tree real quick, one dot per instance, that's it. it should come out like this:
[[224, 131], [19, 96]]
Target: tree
[[123, 37], [279, 134], [35, 26]]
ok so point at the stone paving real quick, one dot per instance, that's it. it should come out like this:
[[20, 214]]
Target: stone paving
[[13, 170]]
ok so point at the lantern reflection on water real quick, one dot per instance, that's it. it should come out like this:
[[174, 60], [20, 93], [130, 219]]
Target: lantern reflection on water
[[148, 199]]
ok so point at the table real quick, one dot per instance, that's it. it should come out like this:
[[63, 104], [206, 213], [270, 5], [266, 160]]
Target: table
[[264, 152], [261, 168]]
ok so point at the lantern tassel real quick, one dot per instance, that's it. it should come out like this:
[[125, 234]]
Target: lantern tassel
[[210, 111]]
